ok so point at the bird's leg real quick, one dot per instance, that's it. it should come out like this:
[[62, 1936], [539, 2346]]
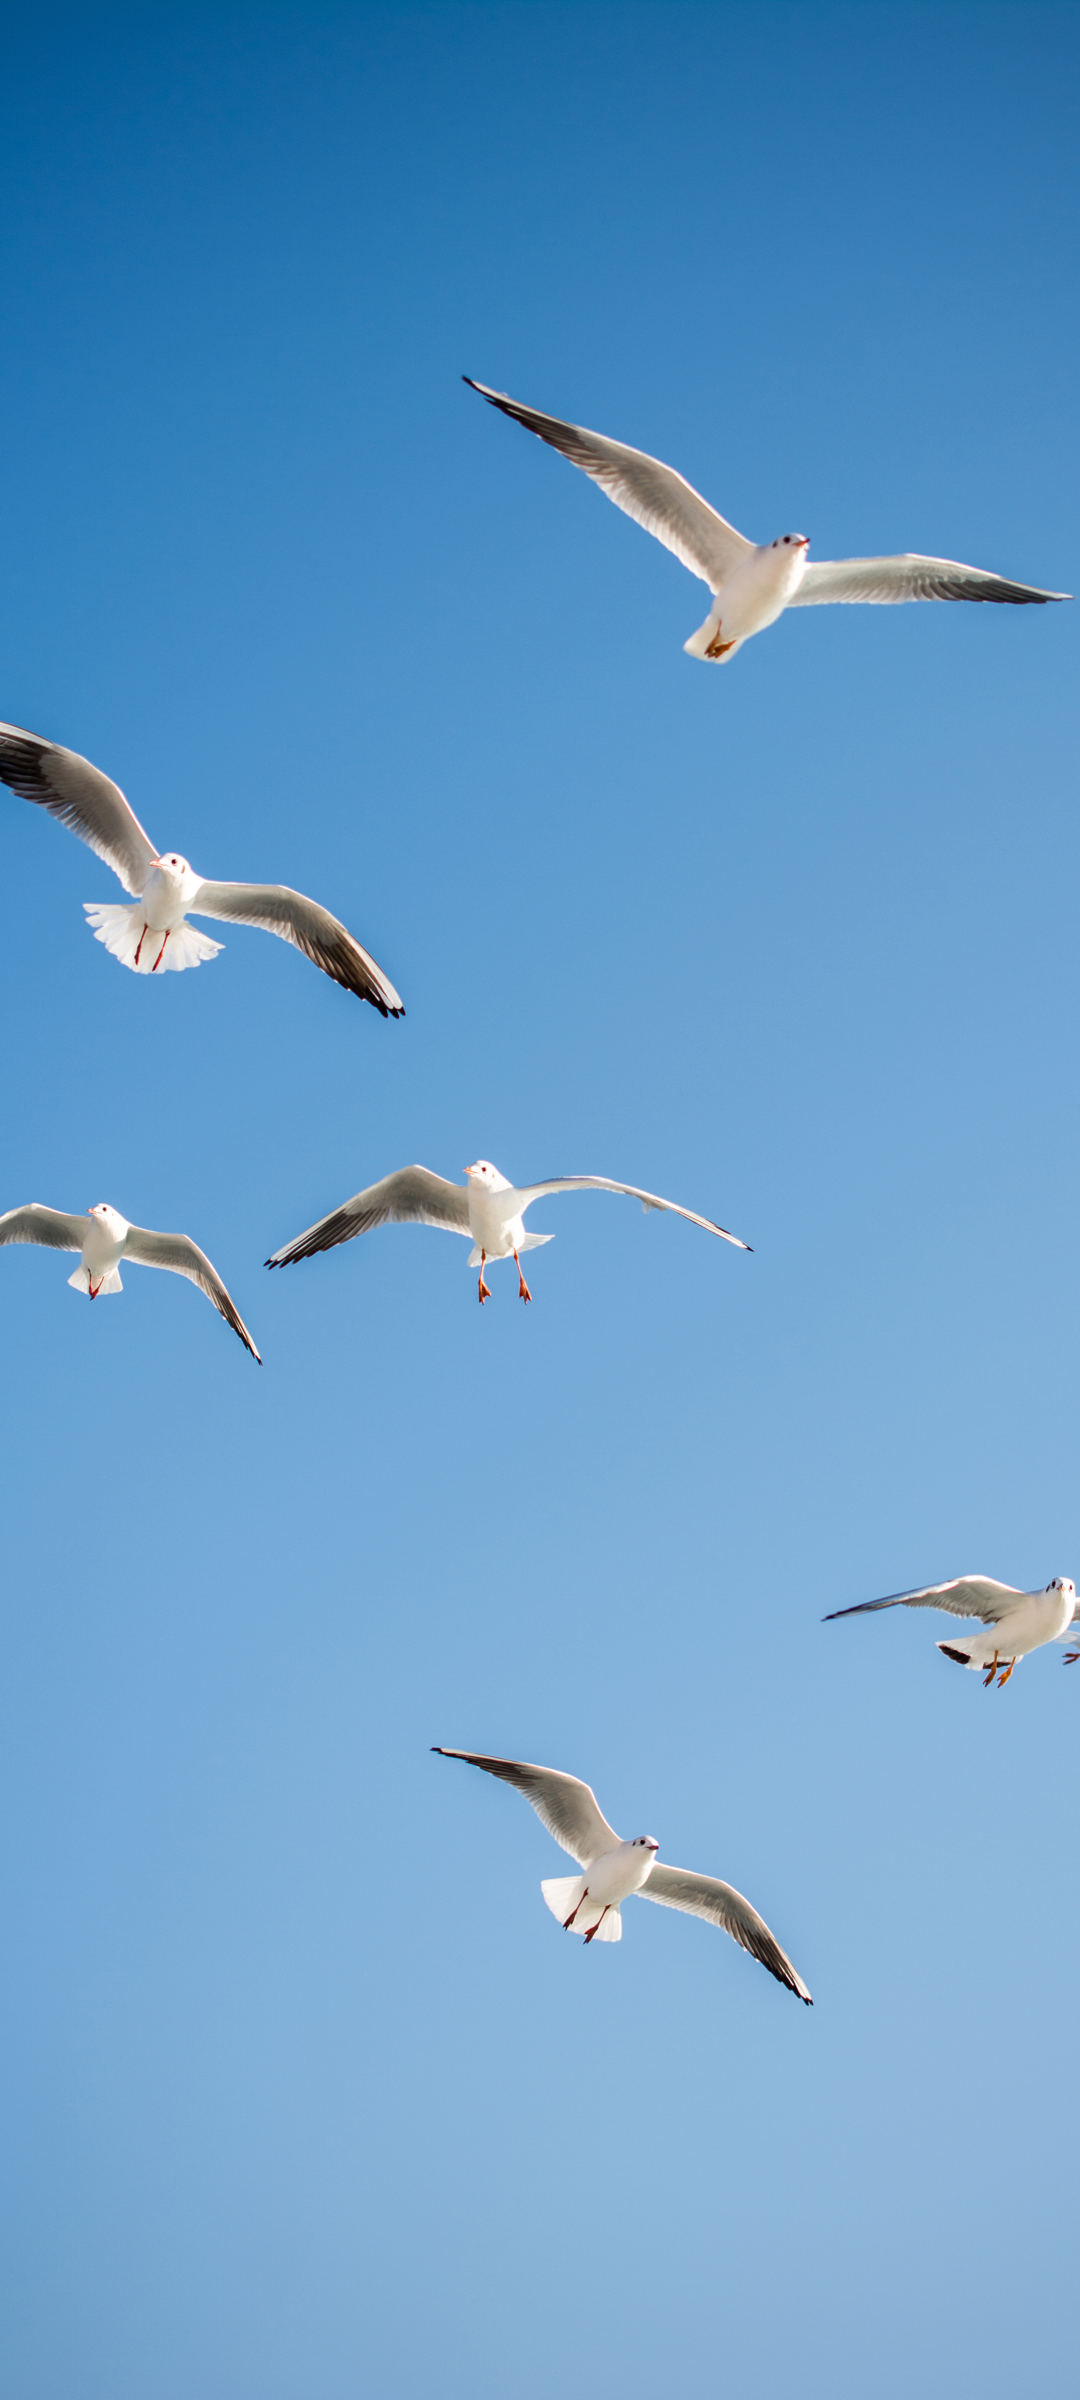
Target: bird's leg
[[94, 1288], [990, 1672], [484, 1289], [1070, 1658], [523, 1289], [142, 938], [160, 955], [568, 1921], [1004, 1676], [596, 1928]]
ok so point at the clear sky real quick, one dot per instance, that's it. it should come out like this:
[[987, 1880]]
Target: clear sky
[[304, 2093]]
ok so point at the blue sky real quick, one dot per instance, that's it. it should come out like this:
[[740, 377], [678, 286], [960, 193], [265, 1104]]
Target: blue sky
[[304, 2091]]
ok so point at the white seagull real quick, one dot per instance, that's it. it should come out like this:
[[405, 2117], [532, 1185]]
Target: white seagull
[[103, 1237], [153, 934], [485, 1207], [613, 1870], [1017, 1622], [751, 582]]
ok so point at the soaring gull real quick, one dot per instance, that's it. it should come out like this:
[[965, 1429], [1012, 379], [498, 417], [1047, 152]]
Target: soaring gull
[[154, 933], [103, 1237], [613, 1870], [485, 1207], [1016, 1622], [751, 582]]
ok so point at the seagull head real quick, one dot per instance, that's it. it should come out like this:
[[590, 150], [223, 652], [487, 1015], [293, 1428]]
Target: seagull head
[[486, 1178], [1065, 1585], [644, 1841], [111, 1219], [792, 541], [177, 872]]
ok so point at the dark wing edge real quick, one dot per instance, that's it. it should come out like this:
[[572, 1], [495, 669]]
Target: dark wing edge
[[80, 797], [309, 928], [449, 1212], [544, 1788], [720, 1904], [181, 1256]]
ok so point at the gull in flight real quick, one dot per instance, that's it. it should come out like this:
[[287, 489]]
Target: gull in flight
[[485, 1208], [103, 1237], [1016, 1622], [154, 934], [751, 582], [590, 1903]]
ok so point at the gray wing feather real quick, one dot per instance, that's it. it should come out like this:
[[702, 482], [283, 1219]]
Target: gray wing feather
[[565, 1805], [51, 1228], [79, 796], [309, 928], [411, 1196], [603, 1183], [910, 577], [704, 1896], [653, 494], [966, 1596], [182, 1256]]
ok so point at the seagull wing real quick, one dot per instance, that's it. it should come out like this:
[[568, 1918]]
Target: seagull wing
[[966, 1596], [654, 495], [909, 578], [412, 1196], [184, 1257], [51, 1228], [82, 798], [566, 1806], [703, 1896], [601, 1183], [308, 927]]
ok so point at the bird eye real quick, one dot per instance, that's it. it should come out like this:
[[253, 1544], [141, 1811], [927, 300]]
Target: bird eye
[[787, 538]]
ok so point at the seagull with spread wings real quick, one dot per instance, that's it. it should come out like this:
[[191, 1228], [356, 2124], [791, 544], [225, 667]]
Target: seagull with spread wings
[[485, 1207], [1017, 1622], [751, 582], [613, 1870], [151, 934], [103, 1237]]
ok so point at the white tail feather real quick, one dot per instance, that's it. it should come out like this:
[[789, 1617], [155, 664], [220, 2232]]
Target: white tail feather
[[125, 933], [80, 1282], [565, 1893], [700, 644]]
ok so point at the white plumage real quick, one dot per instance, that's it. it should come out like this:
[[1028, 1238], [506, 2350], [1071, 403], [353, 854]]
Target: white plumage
[[150, 934], [103, 1237], [1016, 1622], [752, 582], [615, 1870], [486, 1207]]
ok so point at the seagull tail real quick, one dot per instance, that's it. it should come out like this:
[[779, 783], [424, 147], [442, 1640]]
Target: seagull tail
[[565, 1893], [708, 642], [80, 1282], [963, 1658], [125, 933], [534, 1241]]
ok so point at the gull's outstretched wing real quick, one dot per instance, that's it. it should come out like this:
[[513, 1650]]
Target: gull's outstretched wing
[[82, 798], [654, 495], [703, 1896], [909, 577], [412, 1196], [565, 1805], [52, 1228], [601, 1183], [966, 1596], [184, 1257], [308, 927]]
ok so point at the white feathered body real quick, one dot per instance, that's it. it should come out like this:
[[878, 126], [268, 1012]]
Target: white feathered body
[[496, 1223], [609, 1880], [752, 597], [98, 1271], [151, 934], [1037, 1618]]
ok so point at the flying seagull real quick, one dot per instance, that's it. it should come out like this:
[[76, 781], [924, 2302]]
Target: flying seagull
[[485, 1207], [103, 1237], [590, 1903], [751, 582], [1016, 1622], [153, 934]]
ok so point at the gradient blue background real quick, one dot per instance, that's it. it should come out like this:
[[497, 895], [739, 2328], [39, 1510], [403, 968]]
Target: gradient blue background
[[304, 2093]]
